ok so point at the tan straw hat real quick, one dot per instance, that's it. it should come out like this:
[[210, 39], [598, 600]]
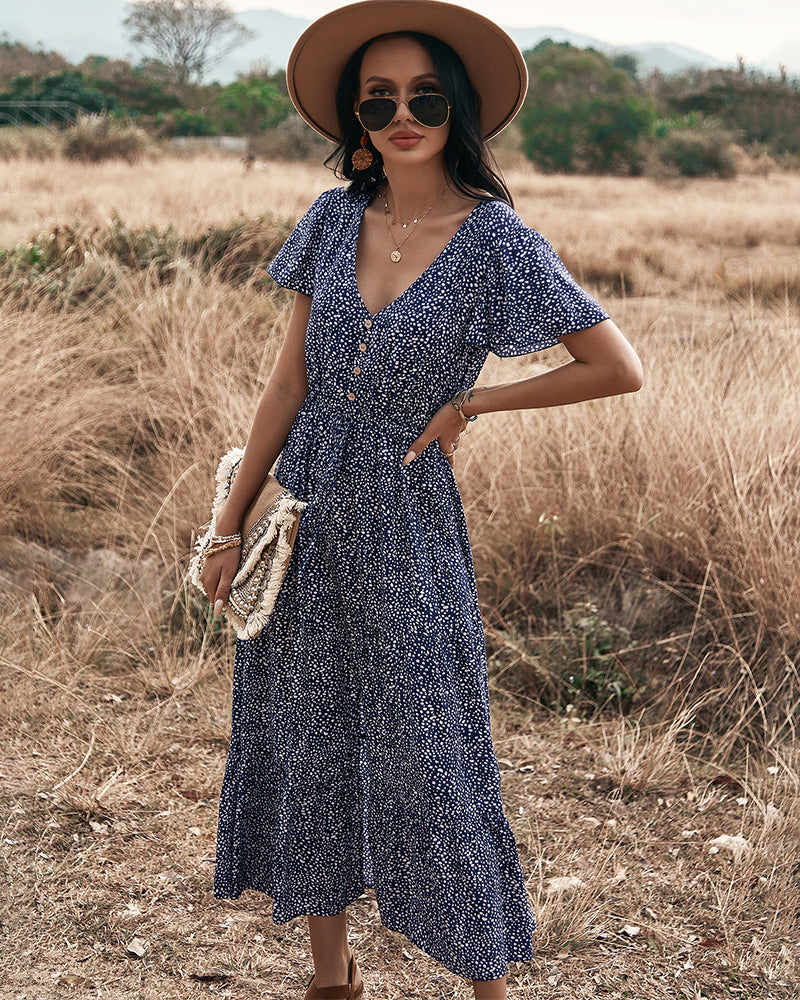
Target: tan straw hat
[[492, 59]]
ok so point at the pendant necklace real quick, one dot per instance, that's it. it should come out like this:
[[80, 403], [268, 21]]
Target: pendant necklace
[[395, 256]]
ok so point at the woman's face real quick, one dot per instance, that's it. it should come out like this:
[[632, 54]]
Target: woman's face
[[402, 68]]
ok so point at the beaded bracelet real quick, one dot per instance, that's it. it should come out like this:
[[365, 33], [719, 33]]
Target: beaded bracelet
[[215, 540], [232, 542], [218, 543]]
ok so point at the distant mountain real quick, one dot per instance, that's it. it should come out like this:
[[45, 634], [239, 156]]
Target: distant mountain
[[653, 55], [94, 27]]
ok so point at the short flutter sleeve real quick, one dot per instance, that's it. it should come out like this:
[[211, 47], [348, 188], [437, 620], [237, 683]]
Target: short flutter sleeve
[[529, 298], [295, 264]]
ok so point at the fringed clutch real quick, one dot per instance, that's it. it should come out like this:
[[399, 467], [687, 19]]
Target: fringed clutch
[[269, 530]]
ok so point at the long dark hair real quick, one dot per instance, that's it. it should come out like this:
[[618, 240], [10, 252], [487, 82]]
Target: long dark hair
[[467, 159]]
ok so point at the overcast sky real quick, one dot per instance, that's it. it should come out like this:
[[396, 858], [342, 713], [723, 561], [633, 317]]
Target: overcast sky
[[765, 31]]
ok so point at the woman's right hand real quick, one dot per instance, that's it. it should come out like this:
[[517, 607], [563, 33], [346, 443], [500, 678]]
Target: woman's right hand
[[217, 576]]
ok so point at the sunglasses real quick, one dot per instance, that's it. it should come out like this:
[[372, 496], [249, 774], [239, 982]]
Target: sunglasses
[[377, 113]]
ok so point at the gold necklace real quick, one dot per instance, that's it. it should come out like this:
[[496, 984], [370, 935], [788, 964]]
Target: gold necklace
[[395, 256]]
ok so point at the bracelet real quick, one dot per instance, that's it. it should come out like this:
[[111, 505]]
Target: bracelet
[[466, 395], [215, 540], [233, 544], [218, 543]]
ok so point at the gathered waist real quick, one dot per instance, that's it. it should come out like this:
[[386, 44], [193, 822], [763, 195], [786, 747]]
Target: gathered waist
[[360, 412]]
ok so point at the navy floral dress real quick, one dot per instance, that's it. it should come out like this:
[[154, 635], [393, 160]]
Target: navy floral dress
[[361, 750]]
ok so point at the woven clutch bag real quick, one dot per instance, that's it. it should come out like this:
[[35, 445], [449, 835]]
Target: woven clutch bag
[[269, 530]]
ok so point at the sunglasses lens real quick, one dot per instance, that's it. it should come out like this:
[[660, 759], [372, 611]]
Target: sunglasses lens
[[430, 110], [376, 113]]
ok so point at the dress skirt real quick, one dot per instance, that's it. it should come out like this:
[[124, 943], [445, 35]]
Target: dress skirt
[[361, 750]]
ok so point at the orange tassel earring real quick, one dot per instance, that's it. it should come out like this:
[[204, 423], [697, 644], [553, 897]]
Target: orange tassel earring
[[362, 158]]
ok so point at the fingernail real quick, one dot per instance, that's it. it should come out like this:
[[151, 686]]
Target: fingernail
[[217, 608], [410, 456]]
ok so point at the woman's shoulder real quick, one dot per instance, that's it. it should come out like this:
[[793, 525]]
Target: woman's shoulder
[[499, 222], [326, 199], [336, 202], [508, 242], [496, 208]]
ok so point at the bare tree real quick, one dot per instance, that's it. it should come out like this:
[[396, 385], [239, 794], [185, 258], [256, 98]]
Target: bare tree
[[191, 36]]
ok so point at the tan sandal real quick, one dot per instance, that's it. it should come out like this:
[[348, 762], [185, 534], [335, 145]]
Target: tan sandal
[[346, 992]]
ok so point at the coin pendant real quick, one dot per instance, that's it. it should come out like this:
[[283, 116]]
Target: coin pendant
[[396, 256]]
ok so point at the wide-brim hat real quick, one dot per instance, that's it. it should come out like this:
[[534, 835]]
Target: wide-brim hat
[[492, 59]]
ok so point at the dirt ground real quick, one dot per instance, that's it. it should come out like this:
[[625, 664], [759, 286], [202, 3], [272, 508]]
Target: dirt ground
[[108, 872]]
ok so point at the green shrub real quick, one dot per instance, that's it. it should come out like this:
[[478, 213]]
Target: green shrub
[[701, 150], [759, 108], [80, 264], [192, 123], [663, 126], [250, 105], [598, 675], [582, 114], [67, 86], [101, 137]]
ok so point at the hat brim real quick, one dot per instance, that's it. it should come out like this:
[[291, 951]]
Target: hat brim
[[492, 59]]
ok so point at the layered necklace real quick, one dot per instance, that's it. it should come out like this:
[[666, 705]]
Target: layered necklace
[[396, 256]]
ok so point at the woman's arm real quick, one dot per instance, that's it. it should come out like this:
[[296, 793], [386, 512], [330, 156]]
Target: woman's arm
[[604, 364], [283, 396]]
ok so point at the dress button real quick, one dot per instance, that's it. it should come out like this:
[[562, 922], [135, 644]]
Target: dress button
[[356, 370], [368, 324], [362, 347], [351, 396]]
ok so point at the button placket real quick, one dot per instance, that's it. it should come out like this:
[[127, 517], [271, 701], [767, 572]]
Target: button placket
[[362, 347]]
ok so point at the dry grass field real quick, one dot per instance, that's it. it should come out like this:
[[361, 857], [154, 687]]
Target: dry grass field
[[637, 563]]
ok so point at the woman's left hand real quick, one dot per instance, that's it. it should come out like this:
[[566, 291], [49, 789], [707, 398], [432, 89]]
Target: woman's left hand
[[447, 425]]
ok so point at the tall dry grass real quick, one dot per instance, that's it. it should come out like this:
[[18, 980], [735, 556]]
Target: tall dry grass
[[675, 507], [187, 192], [133, 357], [636, 553]]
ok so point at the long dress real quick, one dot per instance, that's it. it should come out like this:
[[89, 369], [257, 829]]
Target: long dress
[[361, 750]]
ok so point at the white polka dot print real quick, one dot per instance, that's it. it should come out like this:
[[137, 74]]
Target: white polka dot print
[[361, 751]]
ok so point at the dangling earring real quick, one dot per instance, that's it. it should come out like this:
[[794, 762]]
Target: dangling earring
[[362, 158]]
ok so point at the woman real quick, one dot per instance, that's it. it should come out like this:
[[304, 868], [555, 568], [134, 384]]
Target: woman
[[361, 749]]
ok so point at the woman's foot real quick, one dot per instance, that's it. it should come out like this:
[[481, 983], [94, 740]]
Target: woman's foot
[[336, 977], [332, 960], [342, 989]]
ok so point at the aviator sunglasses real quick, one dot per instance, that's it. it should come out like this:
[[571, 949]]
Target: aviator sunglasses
[[377, 113]]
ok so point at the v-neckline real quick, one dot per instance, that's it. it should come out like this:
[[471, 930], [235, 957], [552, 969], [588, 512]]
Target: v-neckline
[[359, 219]]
